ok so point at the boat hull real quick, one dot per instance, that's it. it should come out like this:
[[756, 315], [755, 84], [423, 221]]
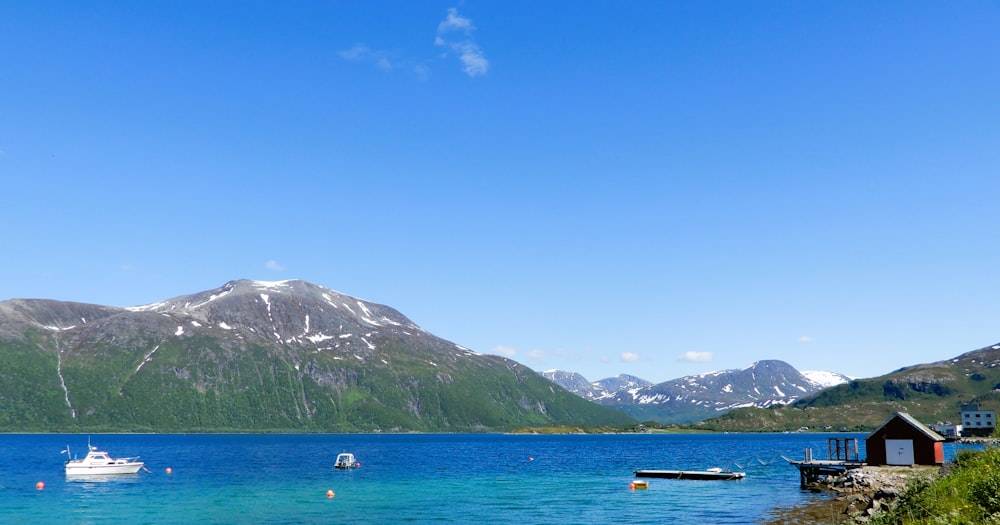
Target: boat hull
[[91, 470], [690, 474]]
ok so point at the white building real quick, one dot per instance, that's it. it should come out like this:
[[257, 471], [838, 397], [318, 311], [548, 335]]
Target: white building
[[977, 422]]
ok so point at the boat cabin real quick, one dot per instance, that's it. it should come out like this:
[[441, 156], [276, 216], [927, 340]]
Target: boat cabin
[[346, 461]]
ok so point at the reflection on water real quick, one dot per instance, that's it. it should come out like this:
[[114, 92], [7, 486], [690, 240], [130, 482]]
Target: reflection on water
[[102, 478]]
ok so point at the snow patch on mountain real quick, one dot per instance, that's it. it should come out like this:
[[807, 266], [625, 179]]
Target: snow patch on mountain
[[826, 379]]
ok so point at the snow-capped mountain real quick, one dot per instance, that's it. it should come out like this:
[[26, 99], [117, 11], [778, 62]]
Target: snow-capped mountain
[[596, 390], [698, 397], [260, 356]]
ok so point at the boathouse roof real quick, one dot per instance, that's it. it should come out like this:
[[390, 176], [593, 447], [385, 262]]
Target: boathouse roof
[[912, 421]]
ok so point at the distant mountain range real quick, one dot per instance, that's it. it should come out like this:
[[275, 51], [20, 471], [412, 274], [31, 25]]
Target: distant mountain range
[[695, 398], [932, 392], [260, 356]]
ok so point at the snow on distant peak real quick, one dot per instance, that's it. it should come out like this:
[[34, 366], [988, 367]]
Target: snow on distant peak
[[270, 285], [825, 379], [210, 299], [146, 307]]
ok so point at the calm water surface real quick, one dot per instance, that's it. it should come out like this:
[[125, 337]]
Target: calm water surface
[[436, 478]]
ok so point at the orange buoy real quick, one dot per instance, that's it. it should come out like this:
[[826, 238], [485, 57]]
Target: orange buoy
[[40, 485], [169, 470], [357, 463], [631, 486], [329, 494]]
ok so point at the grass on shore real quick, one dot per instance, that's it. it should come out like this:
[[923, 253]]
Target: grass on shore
[[968, 495]]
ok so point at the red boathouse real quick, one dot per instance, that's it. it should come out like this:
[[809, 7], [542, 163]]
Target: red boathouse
[[902, 440]]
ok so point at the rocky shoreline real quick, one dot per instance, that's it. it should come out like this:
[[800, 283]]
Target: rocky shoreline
[[855, 496]]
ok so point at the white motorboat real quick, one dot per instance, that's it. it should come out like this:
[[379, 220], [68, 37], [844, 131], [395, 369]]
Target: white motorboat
[[98, 462], [346, 461]]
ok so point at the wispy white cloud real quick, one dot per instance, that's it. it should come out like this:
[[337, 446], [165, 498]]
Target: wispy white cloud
[[357, 53], [421, 71], [474, 62], [362, 53], [530, 357], [505, 351], [454, 33], [805, 339], [629, 357], [696, 357], [454, 22], [384, 61], [274, 266]]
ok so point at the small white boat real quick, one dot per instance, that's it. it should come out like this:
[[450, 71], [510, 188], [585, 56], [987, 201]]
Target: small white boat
[[98, 462], [346, 461]]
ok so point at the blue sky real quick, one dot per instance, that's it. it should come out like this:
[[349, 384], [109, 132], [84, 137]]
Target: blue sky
[[648, 187]]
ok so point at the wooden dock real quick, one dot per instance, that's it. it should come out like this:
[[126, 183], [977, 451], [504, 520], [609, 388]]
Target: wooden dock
[[812, 471], [843, 454]]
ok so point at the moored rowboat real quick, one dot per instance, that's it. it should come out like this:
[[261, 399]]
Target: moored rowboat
[[710, 474]]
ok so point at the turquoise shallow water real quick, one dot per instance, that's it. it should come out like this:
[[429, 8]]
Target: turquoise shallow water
[[436, 478]]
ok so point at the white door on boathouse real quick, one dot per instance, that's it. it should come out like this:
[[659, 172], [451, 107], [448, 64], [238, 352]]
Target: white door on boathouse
[[899, 452]]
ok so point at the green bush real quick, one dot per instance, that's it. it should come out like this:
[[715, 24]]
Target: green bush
[[985, 491]]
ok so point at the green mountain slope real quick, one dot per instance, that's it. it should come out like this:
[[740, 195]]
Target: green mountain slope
[[253, 356], [931, 392]]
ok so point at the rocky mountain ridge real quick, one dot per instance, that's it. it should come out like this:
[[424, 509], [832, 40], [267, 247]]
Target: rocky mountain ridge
[[594, 390], [693, 398]]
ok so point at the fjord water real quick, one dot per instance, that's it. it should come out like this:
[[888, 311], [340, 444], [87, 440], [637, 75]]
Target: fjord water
[[408, 478]]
